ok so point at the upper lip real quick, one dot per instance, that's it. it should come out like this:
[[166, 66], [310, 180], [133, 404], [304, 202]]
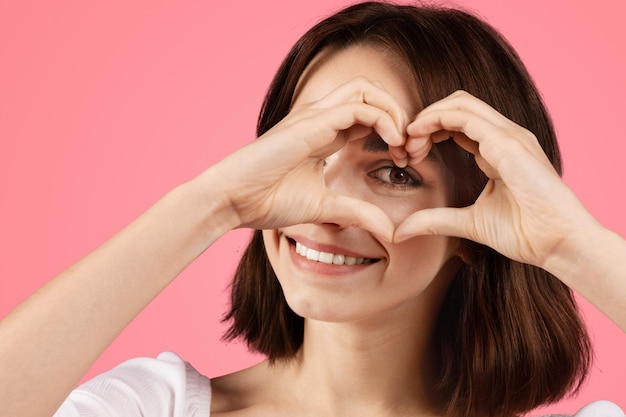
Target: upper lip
[[323, 247]]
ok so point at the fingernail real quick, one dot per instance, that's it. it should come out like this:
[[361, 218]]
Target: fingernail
[[401, 162], [398, 237], [416, 144], [410, 127], [386, 236]]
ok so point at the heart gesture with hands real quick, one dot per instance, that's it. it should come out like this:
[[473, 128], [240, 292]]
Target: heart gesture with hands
[[291, 189], [524, 212]]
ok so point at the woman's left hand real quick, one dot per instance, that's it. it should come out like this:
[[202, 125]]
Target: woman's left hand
[[524, 212]]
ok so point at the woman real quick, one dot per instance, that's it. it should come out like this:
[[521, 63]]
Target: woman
[[385, 306]]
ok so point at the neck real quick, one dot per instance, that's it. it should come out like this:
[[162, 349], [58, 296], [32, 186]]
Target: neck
[[381, 364]]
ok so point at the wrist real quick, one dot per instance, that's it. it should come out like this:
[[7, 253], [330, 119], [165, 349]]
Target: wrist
[[211, 204], [580, 258], [594, 265], [573, 252]]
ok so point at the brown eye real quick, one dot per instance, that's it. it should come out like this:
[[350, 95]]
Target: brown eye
[[393, 176], [399, 176]]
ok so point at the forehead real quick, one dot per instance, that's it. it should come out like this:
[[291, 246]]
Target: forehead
[[333, 68]]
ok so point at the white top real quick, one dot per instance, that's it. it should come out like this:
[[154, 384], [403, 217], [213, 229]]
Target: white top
[[169, 387], [142, 387]]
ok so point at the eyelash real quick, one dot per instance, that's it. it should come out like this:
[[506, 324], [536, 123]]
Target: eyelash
[[386, 171]]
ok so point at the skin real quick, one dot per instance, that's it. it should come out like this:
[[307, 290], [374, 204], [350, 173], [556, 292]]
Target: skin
[[357, 326], [362, 358], [349, 294]]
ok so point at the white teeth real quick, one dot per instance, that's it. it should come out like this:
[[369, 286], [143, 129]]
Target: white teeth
[[313, 255], [339, 259], [329, 258], [326, 258], [299, 249]]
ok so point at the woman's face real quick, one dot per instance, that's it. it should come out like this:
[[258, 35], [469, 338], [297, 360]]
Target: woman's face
[[387, 279]]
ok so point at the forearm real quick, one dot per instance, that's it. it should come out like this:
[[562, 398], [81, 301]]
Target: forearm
[[593, 263], [51, 339]]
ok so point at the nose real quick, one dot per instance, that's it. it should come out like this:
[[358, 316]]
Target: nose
[[338, 175], [339, 179]]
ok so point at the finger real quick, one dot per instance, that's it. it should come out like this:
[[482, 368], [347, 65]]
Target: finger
[[462, 100], [417, 145], [418, 149], [399, 155], [361, 90], [460, 138], [444, 221], [470, 146], [508, 151], [494, 144], [348, 211], [451, 120], [321, 131], [357, 132]]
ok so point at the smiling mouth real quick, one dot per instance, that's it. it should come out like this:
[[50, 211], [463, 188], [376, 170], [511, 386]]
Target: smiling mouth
[[329, 258]]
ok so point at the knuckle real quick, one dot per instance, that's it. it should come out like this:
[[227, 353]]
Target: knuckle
[[460, 94], [529, 136]]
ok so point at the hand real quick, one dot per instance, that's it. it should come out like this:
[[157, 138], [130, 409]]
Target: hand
[[278, 181], [524, 212]]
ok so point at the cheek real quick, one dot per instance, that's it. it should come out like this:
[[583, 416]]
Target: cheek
[[399, 208], [398, 212], [421, 258]]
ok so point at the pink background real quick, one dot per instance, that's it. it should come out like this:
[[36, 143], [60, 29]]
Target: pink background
[[105, 106]]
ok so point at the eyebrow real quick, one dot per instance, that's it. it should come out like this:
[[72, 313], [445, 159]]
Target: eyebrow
[[375, 144]]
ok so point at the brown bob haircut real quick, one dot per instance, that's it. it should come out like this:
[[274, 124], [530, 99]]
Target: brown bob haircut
[[509, 335]]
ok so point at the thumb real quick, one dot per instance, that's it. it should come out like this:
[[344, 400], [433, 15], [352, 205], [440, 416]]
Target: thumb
[[445, 221], [348, 211]]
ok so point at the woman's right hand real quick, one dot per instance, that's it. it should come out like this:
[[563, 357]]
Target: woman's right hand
[[51, 339], [278, 180]]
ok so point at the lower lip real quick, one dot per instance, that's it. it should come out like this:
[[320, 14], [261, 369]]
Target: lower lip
[[322, 268]]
